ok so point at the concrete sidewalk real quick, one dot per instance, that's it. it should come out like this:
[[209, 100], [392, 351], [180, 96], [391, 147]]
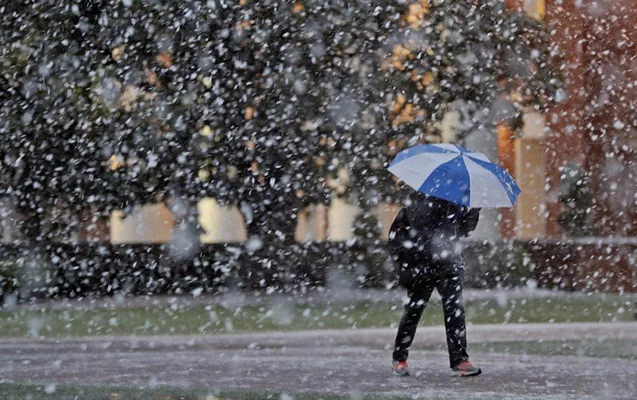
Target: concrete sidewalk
[[378, 338], [351, 361]]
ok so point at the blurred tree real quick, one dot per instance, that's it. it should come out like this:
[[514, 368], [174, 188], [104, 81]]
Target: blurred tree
[[147, 101], [304, 71], [263, 104], [479, 59], [50, 155]]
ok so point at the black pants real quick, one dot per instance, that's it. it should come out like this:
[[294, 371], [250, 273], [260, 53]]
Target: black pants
[[448, 282]]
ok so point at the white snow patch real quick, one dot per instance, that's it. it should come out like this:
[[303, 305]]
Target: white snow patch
[[50, 388]]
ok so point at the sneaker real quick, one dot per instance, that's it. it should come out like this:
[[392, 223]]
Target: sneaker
[[400, 368], [466, 368]]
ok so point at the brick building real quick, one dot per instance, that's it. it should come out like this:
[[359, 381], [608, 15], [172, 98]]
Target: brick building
[[595, 129]]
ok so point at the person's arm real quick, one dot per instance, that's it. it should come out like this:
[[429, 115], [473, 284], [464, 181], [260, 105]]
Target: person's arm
[[397, 227], [469, 221]]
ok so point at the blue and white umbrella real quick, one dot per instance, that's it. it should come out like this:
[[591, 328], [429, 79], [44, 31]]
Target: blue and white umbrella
[[455, 174]]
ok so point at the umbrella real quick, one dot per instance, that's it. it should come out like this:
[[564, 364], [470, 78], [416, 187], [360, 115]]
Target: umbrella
[[455, 174]]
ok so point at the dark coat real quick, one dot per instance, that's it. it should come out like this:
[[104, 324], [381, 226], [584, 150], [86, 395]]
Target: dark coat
[[425, 234]]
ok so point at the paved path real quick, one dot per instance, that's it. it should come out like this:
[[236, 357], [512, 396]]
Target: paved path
[[351, 361]]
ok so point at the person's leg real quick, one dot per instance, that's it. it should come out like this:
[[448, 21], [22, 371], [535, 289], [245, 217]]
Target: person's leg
[[418, 298], [450, 288]]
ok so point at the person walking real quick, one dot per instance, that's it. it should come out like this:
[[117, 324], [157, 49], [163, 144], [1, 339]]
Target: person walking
[[423, 242], [452, 184]]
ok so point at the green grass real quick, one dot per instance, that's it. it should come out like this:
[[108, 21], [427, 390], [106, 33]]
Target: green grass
[[216, 319], [22, 391], [48, 392], [608, 348]]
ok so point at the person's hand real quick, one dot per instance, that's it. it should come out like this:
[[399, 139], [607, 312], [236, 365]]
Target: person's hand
[[469, 221]]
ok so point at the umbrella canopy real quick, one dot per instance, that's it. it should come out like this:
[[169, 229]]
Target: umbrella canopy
[[455, 174]]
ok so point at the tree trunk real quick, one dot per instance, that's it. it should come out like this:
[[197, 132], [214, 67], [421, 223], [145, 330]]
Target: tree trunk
[[273, 222], [268, 257], [32, 228], [8, 221], [185, 243]]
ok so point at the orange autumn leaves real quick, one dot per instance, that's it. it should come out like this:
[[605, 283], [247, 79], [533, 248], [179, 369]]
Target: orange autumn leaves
[[164, 59], [416, 14], [132, 93], [403, 112]]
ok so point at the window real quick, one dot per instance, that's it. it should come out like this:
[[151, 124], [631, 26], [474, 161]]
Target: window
[[535, 8]]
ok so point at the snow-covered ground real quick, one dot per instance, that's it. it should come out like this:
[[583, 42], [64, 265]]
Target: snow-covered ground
[[354, 361]]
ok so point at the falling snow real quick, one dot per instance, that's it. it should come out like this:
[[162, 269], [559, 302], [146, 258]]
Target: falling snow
[[220, 168]]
